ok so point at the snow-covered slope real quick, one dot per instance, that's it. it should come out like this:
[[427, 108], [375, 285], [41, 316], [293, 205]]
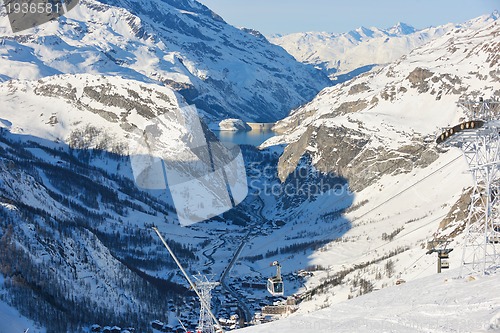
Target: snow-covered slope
[[360, 50], [12, 321], [179, 43], [440, 303], [378, 132], [66, 174], [65, 183], [380, 122]]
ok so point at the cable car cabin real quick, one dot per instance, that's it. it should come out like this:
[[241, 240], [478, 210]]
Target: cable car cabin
[[495, 237], [275, 284]]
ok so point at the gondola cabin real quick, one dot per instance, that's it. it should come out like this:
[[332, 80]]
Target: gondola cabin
[[275, 284]]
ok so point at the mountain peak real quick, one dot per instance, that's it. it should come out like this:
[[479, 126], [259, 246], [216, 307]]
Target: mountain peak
[[402, 29], [361, 33], [495, 15], [196, 53]]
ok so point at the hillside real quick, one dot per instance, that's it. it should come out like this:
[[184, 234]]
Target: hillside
[[76, 217], [227, 72], [72, 251], [440, 303], [378, 132], [395, 111]]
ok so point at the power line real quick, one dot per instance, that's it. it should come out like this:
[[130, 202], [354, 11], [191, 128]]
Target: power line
[[403, 235], [406, 189], [385, 202]]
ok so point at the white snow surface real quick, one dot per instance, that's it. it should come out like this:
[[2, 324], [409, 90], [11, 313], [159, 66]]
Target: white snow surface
[[219, 66], [438, 303], [394, 108], [340, 53], [12, 322]]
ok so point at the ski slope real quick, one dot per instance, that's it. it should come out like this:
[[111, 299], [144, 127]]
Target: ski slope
[[438, 303]]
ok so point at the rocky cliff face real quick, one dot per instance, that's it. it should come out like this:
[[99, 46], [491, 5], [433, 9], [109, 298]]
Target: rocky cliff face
[[350, 155]]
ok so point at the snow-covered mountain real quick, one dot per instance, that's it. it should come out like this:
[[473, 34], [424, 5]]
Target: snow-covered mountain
[[76, 247], [345, 55], [66, 182], [379, 122], [178, 43], [74, 225], [352, 190], [73, 217], [378, 132]]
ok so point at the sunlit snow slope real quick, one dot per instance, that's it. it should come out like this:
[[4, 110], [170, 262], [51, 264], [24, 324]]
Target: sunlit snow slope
[[440, 303], [343, 55], [378, 131], [178, 43]]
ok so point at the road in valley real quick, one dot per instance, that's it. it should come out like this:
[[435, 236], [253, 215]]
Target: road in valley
[[242, 303]]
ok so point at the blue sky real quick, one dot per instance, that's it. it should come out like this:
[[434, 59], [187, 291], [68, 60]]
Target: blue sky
[[286, 16]]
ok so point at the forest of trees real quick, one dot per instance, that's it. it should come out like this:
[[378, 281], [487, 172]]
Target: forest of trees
[[79, 264]]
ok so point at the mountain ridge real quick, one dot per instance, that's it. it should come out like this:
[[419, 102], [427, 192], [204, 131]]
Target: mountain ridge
[[338, 54], [224, 71], [411, 82]]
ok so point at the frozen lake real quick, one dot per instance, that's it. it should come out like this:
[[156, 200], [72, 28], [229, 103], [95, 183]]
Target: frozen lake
[[254, 137]]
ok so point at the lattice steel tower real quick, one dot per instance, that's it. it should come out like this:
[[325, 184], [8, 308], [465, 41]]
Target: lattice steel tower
[[205, 324], [203, 289], [479, 139]]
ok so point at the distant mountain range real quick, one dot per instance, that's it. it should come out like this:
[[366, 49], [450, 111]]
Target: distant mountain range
[[345, 55]]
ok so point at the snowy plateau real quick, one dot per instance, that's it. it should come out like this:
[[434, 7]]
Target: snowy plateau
[[348, 195]]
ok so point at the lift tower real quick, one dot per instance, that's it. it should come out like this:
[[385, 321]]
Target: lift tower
[[479, 139], [205, 287], [208, 323]]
